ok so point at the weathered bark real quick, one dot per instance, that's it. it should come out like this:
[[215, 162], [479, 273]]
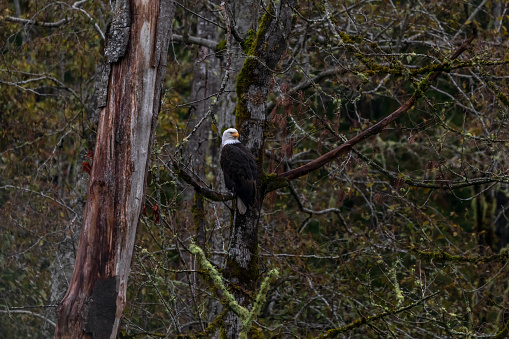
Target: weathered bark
[[252, 90], [136, 54]]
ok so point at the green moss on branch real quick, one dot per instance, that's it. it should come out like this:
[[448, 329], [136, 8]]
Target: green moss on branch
[[247, 317], [366, 320], [252, 45], [273, 182], [221, 45], [444, 256]]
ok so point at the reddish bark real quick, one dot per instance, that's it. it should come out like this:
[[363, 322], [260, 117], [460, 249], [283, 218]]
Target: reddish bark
[[94, 302]]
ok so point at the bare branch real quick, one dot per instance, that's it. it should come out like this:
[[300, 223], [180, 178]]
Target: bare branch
[[37, 23], [61, 22], [366, 320], [444, 256], [373, 130], [195, 40], [37, 315], [41, 194], [98, 29], [203, 190], [470, 18], [200, 16], [312, 81]]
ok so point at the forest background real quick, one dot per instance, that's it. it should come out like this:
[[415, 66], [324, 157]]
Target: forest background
[[396, 228]]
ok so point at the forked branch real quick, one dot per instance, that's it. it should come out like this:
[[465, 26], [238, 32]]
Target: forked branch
[[375, 129]]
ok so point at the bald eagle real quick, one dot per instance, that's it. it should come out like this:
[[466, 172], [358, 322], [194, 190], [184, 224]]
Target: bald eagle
[[239, 169]]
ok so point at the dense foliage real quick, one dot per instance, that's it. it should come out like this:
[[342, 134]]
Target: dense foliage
[[404, 236]]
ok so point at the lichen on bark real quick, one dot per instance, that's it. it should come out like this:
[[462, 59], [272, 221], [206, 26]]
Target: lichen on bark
[[246, 316]]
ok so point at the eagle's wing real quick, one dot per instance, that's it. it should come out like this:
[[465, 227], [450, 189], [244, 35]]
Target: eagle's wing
[[240, 172], [226, 161]]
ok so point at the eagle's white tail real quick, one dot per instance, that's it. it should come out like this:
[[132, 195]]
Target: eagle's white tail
[[240, 205]]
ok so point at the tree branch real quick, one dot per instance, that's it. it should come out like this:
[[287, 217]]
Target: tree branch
[[365, 320], [297, 197], [434, 184], [375, 129], [440, 255], [59, 23], [203, 190], [199, 16], [37, 23], [49, 321], [247, 316], [310, 82], [186, 39], [40, 194]]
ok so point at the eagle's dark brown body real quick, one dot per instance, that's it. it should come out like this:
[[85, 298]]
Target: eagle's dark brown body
[[240, 173]]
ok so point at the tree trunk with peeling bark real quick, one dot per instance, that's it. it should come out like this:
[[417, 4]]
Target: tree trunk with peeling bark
[[242, 269], [135, 54]]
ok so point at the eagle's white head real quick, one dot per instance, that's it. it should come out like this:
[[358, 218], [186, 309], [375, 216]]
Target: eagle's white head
[[230, 136]]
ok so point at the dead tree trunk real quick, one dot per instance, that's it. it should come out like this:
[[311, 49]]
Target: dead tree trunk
[[135, 66], [252, 90]]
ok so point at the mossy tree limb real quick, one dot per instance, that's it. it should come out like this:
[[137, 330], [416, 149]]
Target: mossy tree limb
[[444, 256], [366, 320], [246, 316]]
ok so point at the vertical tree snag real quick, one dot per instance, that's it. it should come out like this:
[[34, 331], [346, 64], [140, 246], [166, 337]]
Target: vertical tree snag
[[136, 62], [252, 91]]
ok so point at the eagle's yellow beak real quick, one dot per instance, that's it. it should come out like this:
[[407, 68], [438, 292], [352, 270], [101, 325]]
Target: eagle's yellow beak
[[235, 134]]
